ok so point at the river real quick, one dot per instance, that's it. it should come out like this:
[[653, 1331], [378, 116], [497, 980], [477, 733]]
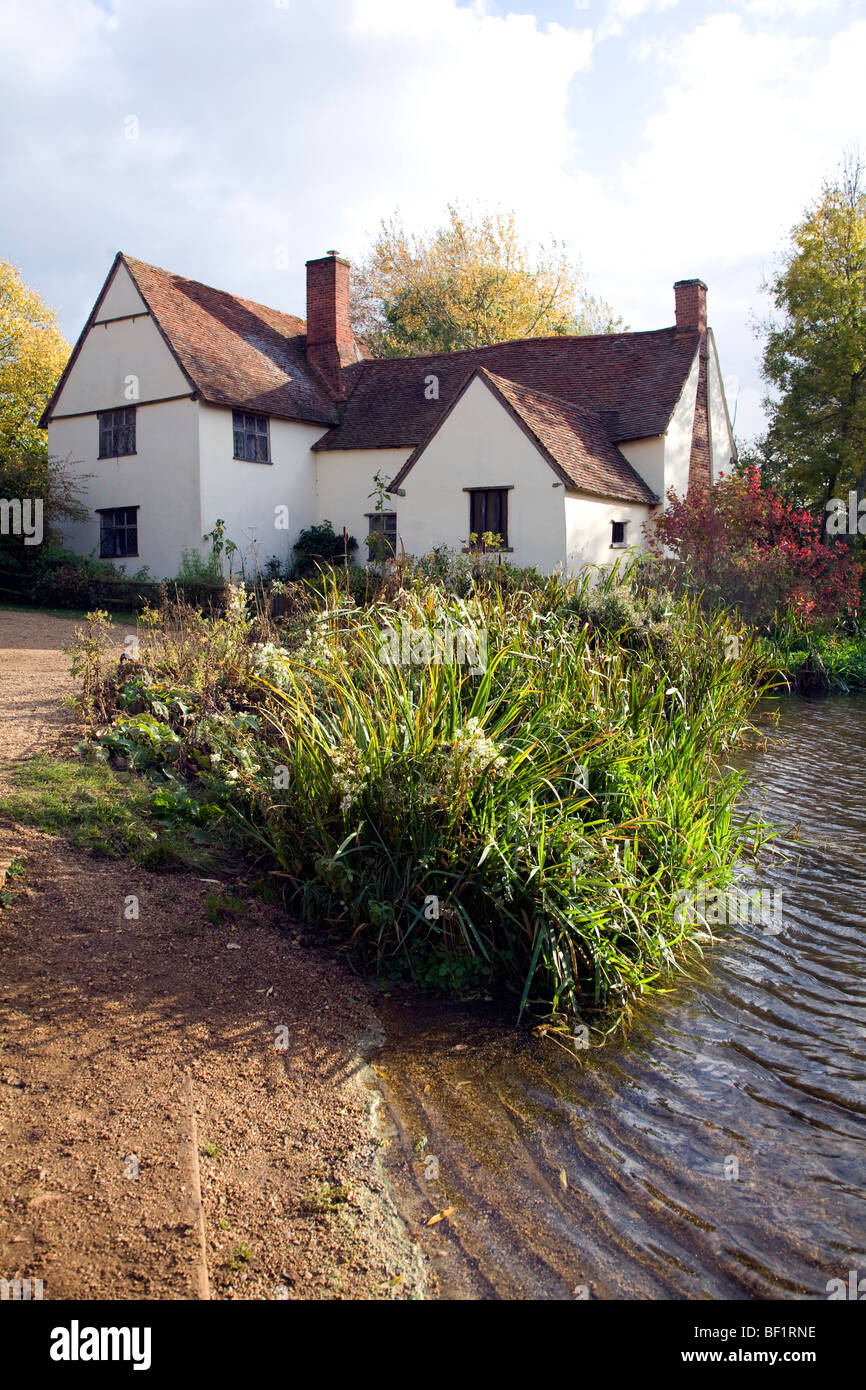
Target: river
[[718, 1152]]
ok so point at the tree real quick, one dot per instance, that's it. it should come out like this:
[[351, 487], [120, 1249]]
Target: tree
[[815, 355], [46, 489], [33, 353], [468, 284]]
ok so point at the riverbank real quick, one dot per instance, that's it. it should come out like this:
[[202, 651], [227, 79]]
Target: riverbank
[[816, 663]]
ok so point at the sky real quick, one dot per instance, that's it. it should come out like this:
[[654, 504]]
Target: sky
[[232, 140]]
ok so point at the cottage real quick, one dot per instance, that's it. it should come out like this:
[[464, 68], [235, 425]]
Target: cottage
[[186, 404]]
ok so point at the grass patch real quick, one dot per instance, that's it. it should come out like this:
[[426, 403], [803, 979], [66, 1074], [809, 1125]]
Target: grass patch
[[106, 812], [817, 662], [221, 908]]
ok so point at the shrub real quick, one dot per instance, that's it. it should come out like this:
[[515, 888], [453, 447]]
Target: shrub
[[62, 579], [194, 569], [320, 545], [744, 546]]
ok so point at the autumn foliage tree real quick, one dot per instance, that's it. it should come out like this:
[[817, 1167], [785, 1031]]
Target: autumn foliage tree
[[744, 546], [33, 353], [469, 283]]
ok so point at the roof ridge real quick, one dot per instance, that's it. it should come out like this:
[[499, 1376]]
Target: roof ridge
[[591, 414], [549, 338]]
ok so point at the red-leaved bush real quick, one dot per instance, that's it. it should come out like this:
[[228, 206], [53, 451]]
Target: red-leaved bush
[[744, 546]]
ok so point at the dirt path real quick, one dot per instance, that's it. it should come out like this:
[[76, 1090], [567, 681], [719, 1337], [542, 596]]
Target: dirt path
[[147, 1055]]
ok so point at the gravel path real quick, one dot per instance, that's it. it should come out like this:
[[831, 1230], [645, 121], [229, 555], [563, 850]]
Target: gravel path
[[34, 677]]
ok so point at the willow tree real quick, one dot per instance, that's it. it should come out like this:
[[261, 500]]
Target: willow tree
[[468, 283], [815, 353], [33, 353]]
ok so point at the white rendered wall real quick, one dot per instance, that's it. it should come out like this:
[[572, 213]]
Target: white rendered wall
[[246, 496], [647, 457], [121, 297], [161, 479], [110, 355], [720, 431], [589, 527], [481, 445], [678, 437], [344, 479]]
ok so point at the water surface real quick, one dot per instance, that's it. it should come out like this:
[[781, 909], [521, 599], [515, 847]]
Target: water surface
[[719, 1151]]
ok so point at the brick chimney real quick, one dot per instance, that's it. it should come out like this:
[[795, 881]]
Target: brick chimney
[[691, 304], [690, 297], [330, 343]]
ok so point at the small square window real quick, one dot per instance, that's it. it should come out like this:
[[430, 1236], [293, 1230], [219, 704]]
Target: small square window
[[617, 532], [118, 532], [382, 524], [116, 432], [252, 441]]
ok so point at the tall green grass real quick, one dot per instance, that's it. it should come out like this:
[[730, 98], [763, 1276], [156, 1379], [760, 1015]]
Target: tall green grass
[[528, 825]]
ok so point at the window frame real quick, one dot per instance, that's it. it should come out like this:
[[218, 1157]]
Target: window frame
[[253, 433], [109, 429], [615, 544], [372, 517], [126, 527], [503, 489]]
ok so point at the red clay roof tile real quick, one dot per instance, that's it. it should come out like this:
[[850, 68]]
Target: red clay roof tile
[[235, 352]]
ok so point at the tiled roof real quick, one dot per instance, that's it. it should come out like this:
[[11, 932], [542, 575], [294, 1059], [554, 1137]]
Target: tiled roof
[[576, 441], [576, 395], [234, 351], [633, 380]]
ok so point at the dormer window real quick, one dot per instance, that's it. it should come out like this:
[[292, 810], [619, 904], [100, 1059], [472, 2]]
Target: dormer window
[[252, 441]]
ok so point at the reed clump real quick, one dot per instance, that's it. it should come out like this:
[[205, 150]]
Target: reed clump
[[502, 786]]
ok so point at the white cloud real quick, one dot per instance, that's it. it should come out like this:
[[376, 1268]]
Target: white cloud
[[621, 13], [259, 127], [797, 9], [301, 127]]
